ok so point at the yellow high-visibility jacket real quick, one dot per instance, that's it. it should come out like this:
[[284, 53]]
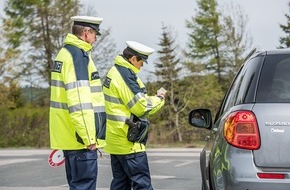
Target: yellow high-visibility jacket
[[125, 94], [77, 107]]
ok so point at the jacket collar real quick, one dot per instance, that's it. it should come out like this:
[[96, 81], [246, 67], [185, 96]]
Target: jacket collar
[[119, 60], [75, 41]]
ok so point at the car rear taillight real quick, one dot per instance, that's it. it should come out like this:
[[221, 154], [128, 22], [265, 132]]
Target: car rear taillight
[[270, 176], [241, 130]]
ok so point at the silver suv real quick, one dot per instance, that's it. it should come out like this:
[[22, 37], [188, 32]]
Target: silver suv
[[249, 145]]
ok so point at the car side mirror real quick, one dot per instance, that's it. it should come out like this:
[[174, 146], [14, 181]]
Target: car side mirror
[[200, 118]]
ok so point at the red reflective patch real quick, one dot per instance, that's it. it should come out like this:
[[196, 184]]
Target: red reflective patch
[[271, 176]]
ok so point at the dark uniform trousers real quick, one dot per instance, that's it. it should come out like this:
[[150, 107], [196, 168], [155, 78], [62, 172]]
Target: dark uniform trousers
[[81, 169], [130, 171]]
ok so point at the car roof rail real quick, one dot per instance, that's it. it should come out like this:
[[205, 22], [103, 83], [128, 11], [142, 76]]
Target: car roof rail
[[254, 50]]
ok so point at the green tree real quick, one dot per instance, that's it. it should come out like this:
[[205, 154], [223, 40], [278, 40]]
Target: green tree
[[285, 41], [237, 40], [218, 40], [168, 68], [205, 37], [7, 56], [37, 30], [168, 64], [10, 96]]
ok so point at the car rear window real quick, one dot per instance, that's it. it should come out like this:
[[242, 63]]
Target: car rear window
[[274, 83]]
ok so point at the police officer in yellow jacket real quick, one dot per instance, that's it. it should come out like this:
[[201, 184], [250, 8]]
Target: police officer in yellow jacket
[[128, 107], [77, 105]]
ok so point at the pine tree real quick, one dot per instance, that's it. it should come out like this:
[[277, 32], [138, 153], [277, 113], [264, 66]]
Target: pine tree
[[285, 41], [168, 71], [168, 66]]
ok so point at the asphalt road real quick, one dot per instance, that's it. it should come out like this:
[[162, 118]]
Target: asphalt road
[[171, 169]]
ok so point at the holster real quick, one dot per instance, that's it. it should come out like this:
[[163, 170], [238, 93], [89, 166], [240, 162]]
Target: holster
[[133, 130], [138, 130]]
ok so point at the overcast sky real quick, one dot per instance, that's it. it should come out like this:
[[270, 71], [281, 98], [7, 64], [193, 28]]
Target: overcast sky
[[142, 20]]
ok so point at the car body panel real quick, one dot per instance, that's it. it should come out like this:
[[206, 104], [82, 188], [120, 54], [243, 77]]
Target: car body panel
[[274, 132]]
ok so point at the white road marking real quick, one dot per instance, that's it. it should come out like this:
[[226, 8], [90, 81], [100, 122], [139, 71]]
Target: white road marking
[[172, 154], [13, 161], [161, 161], [185, 163], [162, 176]]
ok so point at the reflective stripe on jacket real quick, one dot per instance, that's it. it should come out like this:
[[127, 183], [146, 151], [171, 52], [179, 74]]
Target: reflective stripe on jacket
[[125, 94], [77, 111]]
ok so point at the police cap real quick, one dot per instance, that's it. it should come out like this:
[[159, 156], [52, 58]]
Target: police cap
[[88, 21], [139, 50]]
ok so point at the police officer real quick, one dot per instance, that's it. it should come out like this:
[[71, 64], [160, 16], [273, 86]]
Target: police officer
[[77, 107], [128, 107]]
